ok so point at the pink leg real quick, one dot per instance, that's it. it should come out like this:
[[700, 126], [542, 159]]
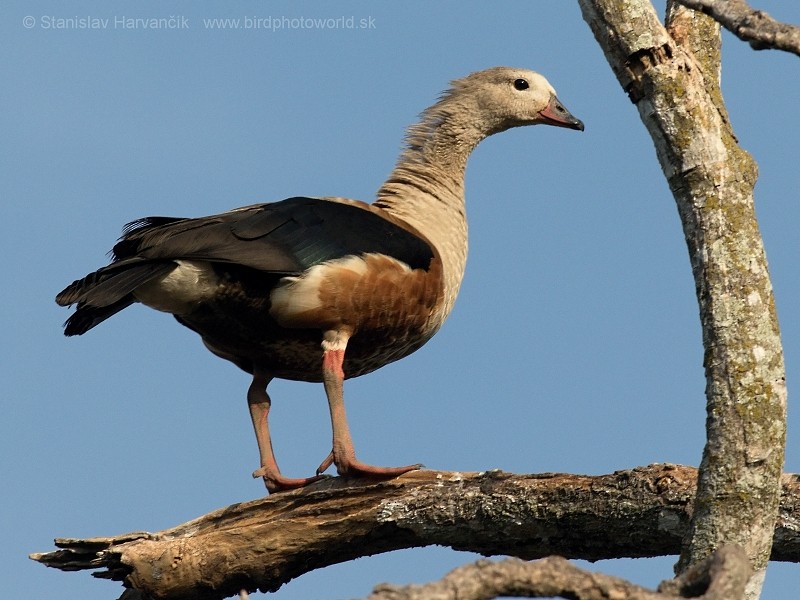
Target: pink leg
[[259, 402], [343, 454]]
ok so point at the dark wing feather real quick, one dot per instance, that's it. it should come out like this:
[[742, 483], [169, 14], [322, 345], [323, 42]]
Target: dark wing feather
[[313, 230], [281, 237], [285, 237], [128, 244]]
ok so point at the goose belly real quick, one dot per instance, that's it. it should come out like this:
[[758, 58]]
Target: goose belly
[[385, 308], [298, 356]]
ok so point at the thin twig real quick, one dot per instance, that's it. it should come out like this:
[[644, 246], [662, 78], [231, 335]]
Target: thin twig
[[749, 24]]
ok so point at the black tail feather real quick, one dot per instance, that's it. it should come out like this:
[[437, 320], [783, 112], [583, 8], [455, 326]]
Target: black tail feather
[[107, 285], [107, 291], [88, 316]]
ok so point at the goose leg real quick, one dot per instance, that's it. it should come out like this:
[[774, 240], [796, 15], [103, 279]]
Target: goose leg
[[259, 402], [343, 454]]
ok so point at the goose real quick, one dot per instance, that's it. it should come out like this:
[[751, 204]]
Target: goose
[[324, 289]]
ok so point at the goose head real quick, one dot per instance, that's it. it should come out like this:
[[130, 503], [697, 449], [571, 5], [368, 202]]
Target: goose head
[[505, 97]]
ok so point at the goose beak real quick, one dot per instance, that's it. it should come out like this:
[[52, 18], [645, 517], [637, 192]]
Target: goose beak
[[556, 114]]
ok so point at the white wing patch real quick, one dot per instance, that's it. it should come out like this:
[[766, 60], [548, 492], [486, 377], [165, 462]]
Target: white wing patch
[[192, 281], [294, 296]]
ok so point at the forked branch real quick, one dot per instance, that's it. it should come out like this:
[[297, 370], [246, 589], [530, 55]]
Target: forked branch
[[267, 542], [749, 24]]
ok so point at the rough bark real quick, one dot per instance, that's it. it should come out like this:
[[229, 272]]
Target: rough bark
[[265, 543], [749, 24], [712, 179], [720, 577]]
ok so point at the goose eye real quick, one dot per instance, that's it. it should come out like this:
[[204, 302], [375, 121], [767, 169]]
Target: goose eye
[[521, 84]]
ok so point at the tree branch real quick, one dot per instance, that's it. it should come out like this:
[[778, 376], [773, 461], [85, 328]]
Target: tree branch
[[750, 25], [720, 577], [267, 542], [712, 179]]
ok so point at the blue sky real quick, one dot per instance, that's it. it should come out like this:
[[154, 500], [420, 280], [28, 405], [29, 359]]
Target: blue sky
[[575, 343]]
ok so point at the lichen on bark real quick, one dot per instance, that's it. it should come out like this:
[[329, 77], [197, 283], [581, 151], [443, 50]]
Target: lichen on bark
[[675, 86]]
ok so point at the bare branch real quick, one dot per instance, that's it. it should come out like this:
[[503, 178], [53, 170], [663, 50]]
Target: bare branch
[[712, 179], [549, 577], [267, 542], [751, 25], [721, 577]]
